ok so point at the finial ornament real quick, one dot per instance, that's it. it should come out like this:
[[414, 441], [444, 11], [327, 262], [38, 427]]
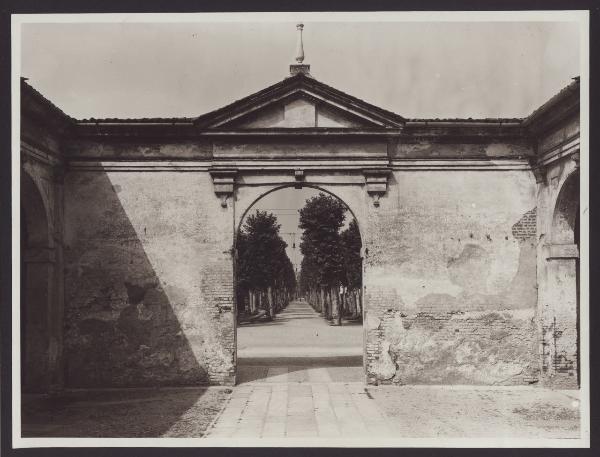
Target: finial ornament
[[299, 47], [299, 68]]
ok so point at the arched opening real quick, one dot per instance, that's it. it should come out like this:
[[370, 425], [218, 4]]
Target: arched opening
[[566, 212], [309, 326], [564, 279], [36, 270]]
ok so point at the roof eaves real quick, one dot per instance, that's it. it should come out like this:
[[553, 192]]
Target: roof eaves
[[486, 120], [137, 121], [558, 98], [215, 115], [355, 100], [25, 86]]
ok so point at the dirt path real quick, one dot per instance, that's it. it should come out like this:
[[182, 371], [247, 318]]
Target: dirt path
[[123, 413]]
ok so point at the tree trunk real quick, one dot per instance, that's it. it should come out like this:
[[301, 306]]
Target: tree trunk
[[270, 304], [319, 300], [352, 297], [318, 297], [336, 304]]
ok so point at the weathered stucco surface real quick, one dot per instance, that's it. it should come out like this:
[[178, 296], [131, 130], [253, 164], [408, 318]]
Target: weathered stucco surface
[[450, 279], [149, 280]]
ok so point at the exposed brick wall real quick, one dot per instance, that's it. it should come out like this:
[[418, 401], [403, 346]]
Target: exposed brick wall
[[455, 348], [526, 228], [450, 279]]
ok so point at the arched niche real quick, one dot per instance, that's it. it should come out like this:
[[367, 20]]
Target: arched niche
[[37, 267], [566, 212]]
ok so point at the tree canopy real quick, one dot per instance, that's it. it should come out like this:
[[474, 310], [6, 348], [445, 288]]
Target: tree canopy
[[321, 219], [331, 258], [262, 261]]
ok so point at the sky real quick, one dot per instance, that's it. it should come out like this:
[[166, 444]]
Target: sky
[[418, 70]]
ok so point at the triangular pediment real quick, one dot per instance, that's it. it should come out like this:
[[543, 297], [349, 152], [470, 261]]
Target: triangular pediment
[[298, 111], [299, 102]]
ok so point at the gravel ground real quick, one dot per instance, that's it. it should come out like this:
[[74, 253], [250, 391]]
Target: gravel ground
[[123, 413], [479, 412]]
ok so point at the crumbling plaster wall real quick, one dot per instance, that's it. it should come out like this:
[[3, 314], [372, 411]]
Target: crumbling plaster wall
[[450, 278], [557, 256], [149, 280]]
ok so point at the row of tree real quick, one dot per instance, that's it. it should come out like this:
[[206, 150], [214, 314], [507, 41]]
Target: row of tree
[[331, 271], [265, 275]]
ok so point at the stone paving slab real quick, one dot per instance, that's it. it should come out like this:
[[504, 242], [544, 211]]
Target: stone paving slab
[[351, 410]]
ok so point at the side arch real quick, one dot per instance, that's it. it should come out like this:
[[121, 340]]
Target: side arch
[[560, 283], [566, 212], [37, 274], [34, 213]]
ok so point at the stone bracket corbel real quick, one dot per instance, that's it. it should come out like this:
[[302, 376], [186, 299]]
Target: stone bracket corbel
[[299, 177], [575, 159], [376, 180], [538, 171], [224, 183], [540, 175]]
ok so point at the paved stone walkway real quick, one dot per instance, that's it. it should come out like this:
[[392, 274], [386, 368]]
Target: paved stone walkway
[[349, 410], [298, 377], [300, 346], [299, 331], [297, 410]]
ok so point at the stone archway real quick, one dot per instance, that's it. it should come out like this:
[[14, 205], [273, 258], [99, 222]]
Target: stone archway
[[263, 193], [37, 270], [250, 196], [566, 212], [563, 280]]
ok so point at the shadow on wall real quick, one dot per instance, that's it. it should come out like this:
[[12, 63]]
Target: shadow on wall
[[36, 272], [121, 326]]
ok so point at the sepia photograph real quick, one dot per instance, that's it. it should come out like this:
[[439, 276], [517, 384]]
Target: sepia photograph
[[300, 229]]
